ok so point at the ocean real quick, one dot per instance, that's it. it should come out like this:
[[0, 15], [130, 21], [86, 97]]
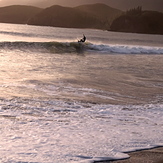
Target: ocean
[[67, 102]]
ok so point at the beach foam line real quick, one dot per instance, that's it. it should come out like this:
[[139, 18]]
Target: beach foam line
[[147, 155]]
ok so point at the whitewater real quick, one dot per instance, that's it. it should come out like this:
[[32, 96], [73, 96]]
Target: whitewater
[[67, 102]]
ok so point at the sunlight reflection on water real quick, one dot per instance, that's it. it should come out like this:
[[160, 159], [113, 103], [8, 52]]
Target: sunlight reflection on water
[[68, 107]]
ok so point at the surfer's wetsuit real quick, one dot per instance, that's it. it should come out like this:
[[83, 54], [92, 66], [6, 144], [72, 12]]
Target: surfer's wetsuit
[[83, 39]]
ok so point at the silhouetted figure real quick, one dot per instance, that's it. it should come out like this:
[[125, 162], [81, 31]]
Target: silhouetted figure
[[83, 39]]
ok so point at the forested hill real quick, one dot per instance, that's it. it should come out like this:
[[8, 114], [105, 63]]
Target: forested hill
[[97, 16], [17, 14], [138, 21]]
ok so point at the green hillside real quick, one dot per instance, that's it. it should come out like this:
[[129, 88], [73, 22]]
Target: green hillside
[[59, 16], [17, 14], [97, 16], [148, 22], [94, 16], [104, 13]]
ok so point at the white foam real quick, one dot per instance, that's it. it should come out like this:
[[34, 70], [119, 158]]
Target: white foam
[[126, 49], [58, 131]]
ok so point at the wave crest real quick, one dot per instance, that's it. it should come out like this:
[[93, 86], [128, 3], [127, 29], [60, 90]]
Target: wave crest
[[75, 47]]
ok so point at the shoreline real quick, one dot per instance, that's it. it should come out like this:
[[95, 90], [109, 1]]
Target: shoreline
[[153, 155]]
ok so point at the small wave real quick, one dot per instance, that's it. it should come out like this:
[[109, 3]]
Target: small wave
[[126, 49], [75, 47], [52, 47], [17, 34]]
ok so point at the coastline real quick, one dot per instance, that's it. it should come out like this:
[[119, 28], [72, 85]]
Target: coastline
[[154, 155]]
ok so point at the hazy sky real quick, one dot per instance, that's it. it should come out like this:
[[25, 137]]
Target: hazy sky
[[120, 4]]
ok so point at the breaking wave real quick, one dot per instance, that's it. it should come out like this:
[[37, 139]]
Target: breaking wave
[[75, 47]]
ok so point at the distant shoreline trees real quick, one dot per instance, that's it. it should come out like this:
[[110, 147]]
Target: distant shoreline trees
[[138, 21], [135, 11]]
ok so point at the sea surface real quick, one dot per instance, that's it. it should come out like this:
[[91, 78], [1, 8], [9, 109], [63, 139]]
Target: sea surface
[[67, 102]]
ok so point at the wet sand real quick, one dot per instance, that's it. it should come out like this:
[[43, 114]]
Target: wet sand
[[145, 156]]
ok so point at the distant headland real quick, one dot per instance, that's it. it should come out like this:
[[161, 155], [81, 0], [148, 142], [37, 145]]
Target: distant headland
[[138, 21], [93, 16]]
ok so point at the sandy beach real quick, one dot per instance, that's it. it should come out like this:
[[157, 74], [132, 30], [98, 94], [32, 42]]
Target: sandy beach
[[146, 156]]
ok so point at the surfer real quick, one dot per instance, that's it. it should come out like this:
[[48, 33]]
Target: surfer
[[83, 39]]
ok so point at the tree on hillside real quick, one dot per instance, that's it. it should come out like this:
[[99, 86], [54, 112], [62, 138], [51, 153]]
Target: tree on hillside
[[134, 11]]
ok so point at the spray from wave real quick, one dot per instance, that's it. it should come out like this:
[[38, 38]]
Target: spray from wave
[[75, 47], [126, 49]]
